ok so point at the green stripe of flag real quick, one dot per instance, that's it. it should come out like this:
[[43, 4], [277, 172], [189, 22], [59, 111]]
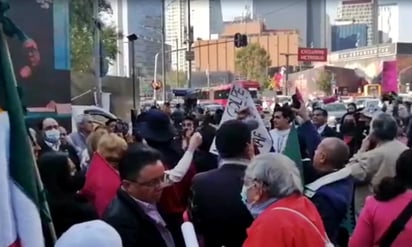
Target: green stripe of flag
[[22, 163], [292, 149]]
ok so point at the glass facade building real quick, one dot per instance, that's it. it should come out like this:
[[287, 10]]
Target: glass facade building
[[349, 36]]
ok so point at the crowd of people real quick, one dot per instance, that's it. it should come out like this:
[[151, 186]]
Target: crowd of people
[[107, 187]]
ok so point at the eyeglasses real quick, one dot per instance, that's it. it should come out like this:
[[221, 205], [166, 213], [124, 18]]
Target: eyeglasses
[[157, 182]]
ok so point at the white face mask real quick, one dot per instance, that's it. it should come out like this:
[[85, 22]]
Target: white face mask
[[52, 135]]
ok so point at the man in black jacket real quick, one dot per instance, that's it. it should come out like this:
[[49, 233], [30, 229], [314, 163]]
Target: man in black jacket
[[217, 210], [320, 119], [134, 213]]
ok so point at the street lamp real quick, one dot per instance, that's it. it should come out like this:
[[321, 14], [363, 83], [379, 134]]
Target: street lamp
[[132, 38]]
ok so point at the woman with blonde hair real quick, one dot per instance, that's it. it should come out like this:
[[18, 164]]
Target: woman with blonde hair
[[102, 177], [92, 141]]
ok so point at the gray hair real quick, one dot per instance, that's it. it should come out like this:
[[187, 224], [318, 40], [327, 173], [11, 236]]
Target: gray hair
[[82, 118], [384, 127], [277, 172]]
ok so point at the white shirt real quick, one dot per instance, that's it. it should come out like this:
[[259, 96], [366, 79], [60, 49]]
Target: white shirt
[[321, 129], [279, 138]]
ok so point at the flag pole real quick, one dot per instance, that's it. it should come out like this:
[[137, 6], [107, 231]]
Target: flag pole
[[50, 225]]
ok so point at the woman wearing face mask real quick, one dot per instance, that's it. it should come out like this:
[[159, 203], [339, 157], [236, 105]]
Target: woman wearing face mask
[[66, 206], [284, 217]]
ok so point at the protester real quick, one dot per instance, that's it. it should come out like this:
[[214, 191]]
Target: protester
[[102, 178], [189, 125], [282, 119], [272, 191], [331, 188], [34, 143], [63, 136], [111, 125], [320, 120], [216, 207], [351, 132], [50, 141], [379, 223], [134, 213], [178, 115], [351, 108], [204, 160], [84, 124], [376, 158], [92, 141], [166, 108], [94, 233], [66, 206], [159, 133]]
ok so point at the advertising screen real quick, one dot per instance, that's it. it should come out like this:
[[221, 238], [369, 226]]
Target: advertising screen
[[39, 74]]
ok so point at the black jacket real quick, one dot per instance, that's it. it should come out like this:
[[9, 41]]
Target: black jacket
[[217, 210], [329, 132], [67, 148], [133, 225]]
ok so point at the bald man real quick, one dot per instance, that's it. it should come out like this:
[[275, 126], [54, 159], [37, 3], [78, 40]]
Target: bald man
[[332, 188]]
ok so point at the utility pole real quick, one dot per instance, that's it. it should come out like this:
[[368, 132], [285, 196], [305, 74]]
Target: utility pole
[[97, 55], [189, 40], [163, 51], [177, 62], [287, 55]]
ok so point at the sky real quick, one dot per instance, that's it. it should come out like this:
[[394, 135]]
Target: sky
[[233, 8]]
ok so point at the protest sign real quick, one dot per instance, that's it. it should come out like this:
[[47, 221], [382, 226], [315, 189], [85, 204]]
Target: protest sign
[[239, 99]]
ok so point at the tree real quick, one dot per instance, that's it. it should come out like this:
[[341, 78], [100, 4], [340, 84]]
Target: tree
[[176, 79], [252, 62], [81, 35], [324, 82]]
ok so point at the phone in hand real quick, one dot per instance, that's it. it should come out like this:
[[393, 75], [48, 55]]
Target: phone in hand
[[295, 102]]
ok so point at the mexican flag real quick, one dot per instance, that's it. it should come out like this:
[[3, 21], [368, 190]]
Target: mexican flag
[[21, 205], [292, 149]]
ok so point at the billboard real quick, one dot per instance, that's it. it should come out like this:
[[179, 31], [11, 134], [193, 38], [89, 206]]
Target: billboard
[[42, 77], [312, 54]]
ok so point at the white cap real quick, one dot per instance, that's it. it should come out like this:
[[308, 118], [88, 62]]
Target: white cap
[[90, 234]]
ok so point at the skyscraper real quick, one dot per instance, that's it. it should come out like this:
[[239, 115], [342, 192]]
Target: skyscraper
[[307, 16], [206, 19], [361, 12]]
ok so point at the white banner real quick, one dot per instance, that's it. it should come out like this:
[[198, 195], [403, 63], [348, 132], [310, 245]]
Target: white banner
[[239, 99]]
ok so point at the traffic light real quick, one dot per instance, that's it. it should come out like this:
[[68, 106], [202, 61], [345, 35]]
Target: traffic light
[[240, 40]]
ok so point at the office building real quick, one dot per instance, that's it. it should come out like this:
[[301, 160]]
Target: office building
[[394, 19], [120, 66], [206, 20], [219, 54], [349, 36], [361, 12], [144, 19], [309, 17]]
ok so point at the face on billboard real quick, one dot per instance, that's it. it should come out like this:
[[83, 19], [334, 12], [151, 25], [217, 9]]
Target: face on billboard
[[33, 61]]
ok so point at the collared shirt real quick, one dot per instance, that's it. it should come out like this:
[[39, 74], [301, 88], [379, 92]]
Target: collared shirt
[[321, 129], [55, 146], [151, 211], [244, 162]]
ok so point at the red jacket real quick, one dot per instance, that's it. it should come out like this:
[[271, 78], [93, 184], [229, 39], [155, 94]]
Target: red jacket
[[286, 229], [102, 183]]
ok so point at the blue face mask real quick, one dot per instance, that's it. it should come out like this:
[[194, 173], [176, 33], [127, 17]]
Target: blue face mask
[[52, 136], [254, 208]]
